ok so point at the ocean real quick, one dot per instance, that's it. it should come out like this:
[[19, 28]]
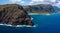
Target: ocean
[[44, 24]]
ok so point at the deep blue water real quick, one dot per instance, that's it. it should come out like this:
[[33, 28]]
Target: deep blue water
[[45, 24]]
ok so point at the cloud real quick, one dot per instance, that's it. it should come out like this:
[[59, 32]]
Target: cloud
[[58, 4], [34, 2], [52, 1], [22, 2], [42, 2], [37, 0], [14, 1]]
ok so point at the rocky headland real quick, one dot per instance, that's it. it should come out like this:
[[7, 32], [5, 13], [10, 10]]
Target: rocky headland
[[15, 15]]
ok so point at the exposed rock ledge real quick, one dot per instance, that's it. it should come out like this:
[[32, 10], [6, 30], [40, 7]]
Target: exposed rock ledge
[[15, 15]]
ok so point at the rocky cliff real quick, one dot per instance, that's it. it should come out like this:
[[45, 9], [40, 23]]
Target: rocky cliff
[[41, 8], [15, 15]]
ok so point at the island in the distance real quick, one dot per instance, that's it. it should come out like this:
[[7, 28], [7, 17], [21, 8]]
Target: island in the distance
[[15, 14]]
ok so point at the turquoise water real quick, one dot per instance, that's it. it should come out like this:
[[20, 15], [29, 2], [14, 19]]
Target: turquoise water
[[44, 24]]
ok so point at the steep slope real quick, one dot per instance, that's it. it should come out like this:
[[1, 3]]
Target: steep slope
[[15, 15], [57, 9], [41, 8]]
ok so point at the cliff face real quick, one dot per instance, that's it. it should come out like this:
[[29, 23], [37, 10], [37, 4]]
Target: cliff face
[[41, 8], [14, 15], [18, 15]]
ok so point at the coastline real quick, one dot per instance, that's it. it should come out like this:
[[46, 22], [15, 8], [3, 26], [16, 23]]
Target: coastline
[[39, 14], [17, 25], [47, 14]]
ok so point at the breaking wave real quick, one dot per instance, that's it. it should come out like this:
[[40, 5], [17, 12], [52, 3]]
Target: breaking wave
[[17, 25]]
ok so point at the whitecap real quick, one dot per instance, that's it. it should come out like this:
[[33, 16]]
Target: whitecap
[[1, 24], [48, 14], [25, 26], [8, 25], [31, 26], [18, 25], [31, 18]]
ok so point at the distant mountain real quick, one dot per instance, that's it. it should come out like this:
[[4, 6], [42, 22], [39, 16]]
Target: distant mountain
[[41, 8], [56, 8]]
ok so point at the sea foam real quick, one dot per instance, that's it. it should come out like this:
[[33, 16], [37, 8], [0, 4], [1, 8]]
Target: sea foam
[[17, 25]]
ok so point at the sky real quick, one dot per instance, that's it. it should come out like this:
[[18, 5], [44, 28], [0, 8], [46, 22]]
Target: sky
[[31, 2]]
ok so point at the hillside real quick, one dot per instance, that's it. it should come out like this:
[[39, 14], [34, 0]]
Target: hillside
[[15, 15], [41, 8]]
